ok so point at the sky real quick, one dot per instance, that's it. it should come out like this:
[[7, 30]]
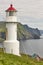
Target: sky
[[30, 12]]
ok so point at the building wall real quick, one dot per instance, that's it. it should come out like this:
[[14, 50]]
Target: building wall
[[11, 19], [11, 47], [11, 31]]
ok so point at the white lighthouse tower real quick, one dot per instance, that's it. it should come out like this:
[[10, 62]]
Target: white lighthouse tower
[[11, 44]]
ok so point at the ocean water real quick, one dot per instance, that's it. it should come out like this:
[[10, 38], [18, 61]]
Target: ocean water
[[32, 46]]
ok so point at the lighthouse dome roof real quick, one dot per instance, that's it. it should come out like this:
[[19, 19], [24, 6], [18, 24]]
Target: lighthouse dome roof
[[11, 8]]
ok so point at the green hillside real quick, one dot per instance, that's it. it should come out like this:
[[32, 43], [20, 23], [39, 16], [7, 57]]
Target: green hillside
[[23, 32], [9, 59]]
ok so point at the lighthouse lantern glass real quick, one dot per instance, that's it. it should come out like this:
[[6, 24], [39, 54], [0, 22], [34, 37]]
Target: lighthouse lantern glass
[[11, 13]]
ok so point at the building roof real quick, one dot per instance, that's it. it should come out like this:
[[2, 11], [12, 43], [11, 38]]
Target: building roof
[[11, 8]]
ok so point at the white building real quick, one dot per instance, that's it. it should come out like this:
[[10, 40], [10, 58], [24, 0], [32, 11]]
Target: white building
[[11, 44]]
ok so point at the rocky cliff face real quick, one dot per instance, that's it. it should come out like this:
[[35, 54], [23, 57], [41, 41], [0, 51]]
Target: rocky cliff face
[[35, 32], [23, 32]]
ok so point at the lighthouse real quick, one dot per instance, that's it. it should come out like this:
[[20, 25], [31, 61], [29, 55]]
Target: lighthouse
[[11, 44]]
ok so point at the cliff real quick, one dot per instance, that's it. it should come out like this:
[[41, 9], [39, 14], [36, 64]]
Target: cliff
[[24, 32]]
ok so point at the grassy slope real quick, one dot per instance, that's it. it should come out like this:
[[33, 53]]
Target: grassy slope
[[9, 59]]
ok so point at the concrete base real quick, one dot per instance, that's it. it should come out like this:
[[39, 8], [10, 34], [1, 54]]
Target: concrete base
[[12, 47]]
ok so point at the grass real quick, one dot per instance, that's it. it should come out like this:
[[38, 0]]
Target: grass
[[3, 29], [9, 59]]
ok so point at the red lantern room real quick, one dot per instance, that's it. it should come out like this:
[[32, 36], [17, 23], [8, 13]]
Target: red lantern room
[[11, 14], [11, 8]]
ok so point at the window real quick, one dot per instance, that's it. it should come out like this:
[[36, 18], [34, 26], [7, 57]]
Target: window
[[11, 13]]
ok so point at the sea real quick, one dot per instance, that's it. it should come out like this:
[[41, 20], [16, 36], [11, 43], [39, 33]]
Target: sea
[[32, 46]]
